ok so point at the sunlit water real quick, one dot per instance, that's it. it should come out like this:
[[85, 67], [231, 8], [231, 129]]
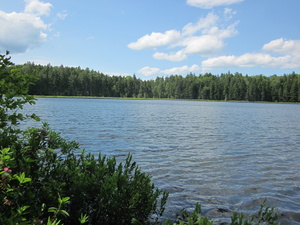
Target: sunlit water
[[220, 154]]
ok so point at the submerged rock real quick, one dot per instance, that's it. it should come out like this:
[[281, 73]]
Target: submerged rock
[[218, 212], [220, 216]]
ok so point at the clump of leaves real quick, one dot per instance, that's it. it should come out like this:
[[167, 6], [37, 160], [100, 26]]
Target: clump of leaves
[[13, 96], [185, 218], [266, 215], [13, 209]]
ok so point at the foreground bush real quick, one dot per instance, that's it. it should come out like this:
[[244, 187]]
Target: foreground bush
[[109, 193], [44, 177]]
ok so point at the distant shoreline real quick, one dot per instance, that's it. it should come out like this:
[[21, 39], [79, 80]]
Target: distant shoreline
[[172, 99]]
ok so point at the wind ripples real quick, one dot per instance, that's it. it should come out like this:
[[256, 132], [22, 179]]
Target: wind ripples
[[228, 155]]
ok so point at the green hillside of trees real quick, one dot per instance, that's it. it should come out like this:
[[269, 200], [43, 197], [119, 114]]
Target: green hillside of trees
[[71, 81]]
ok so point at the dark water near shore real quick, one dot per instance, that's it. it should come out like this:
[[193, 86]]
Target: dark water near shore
[[221, 154]]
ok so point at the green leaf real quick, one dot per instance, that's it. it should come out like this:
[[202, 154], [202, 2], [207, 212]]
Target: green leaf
[[83, 218], [21, 178], [52, 210], [64, 213]]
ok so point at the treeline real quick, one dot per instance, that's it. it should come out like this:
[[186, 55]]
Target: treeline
[[71, 81]]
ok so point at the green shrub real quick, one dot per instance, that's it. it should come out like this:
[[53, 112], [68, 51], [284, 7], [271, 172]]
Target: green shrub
[[266, 215], [38, 165], [109, 193], [194, 218]]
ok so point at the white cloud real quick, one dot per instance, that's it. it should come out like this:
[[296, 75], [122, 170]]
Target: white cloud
[[37, 8], [155, 40], [181, 70], [204, 45], [191, 32], [205, 38], [20, 31], [24, 30], [203, 23], [117, 74], [208, 4], [282, 46], [177, 56], [229, 31], [289, 49], [228, 13], [148, 71], [211, 39], [289, 59], [245, 60]]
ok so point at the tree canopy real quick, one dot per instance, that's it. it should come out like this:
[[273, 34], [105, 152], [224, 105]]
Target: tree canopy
[[74, 81]]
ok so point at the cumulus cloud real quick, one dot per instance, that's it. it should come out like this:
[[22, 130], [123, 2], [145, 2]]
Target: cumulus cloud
[[289, 57], [203, 24], [177, 56], [148, 71], [204, 38], [37, 8], [283, 46], [24, 30], [204, 45], [155, 40], [181, 70], [245, 60], [20, 31], [208, 4]]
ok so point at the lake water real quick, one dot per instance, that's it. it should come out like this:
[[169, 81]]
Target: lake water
[[221, 154]]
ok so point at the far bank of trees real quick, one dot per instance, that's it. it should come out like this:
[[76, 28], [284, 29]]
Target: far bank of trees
[[71, 81]]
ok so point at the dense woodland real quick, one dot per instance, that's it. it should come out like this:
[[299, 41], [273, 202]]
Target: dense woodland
[[71, 81]]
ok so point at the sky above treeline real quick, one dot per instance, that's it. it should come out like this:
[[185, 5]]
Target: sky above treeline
[[151, 38]]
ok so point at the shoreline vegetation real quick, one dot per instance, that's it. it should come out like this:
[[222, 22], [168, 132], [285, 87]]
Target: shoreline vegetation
[[171, 99], [74, 81], [44, 180]]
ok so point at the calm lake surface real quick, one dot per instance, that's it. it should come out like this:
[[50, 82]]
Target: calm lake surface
[[221, 154]]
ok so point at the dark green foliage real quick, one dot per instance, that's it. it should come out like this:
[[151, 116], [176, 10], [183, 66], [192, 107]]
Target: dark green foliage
[[265, 215], [70, 81], [37, 166], [185, 218], [109, 193], [12, 84], [194, 218]]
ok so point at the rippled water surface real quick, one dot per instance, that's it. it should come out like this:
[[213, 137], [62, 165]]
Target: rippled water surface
[[221, 154]]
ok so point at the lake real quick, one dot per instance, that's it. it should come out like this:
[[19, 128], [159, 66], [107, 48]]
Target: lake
[[221, 154]]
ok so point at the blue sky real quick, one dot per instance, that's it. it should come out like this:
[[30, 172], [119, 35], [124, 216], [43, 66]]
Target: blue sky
[[153, 38]]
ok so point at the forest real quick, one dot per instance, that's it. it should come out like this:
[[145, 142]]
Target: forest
[[75, 81]]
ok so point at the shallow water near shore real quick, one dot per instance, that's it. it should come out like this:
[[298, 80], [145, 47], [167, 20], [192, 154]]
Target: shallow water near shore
[[223, 155]]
